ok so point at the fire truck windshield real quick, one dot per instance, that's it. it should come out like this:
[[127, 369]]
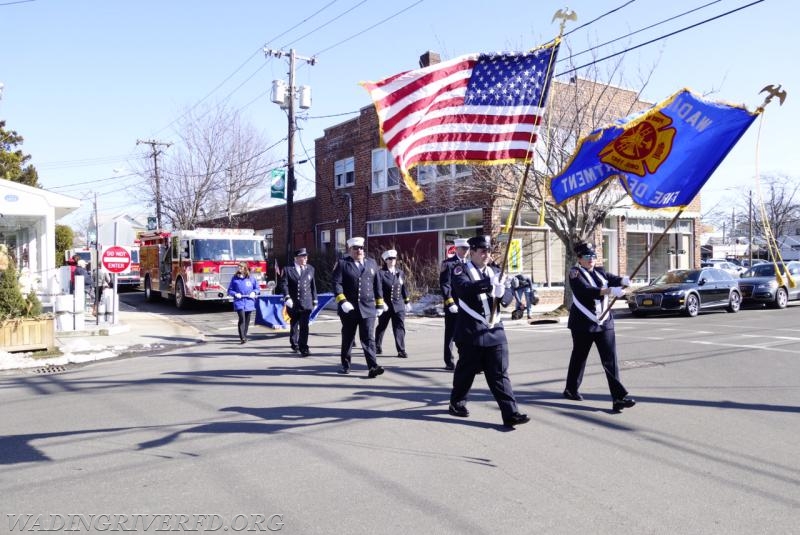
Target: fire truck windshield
[[247, 249], [226, 249]]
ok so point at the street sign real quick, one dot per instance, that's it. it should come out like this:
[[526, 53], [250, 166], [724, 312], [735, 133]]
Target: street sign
[[116, 259]]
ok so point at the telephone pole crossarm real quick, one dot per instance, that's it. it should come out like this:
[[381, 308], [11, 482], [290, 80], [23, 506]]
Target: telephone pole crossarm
[[156, 152]]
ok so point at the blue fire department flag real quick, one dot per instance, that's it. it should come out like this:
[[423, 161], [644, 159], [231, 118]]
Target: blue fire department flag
[[271, 312], [662, 156]]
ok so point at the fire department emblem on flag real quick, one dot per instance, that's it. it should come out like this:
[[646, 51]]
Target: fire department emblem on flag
[[642, 147]]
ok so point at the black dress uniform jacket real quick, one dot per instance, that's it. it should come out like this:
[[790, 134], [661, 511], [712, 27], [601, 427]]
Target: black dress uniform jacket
[[362, 289], [588, 295], [445, 284], [301, 288], [394, 289], [475, 296]]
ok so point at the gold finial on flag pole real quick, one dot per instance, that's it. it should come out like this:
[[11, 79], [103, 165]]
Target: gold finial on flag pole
[[772, 92], [565, 15]]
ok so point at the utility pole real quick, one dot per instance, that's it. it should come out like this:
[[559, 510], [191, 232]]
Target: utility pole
[[750, 230], [96, 262], [154, 146], [284, 97]]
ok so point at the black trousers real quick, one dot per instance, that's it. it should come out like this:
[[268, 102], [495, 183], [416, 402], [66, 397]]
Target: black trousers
[[244, 323], [398, 319], [493, 361], [298, 329], [449, 335], [351, 322], [607, 347]]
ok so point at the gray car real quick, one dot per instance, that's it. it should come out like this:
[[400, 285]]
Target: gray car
[[759, 284]]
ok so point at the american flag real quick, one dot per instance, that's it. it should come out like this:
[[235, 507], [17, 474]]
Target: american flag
[[479, 108]]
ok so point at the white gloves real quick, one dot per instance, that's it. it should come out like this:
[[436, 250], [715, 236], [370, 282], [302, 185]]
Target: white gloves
[[252, 295], [385, 307], [453, 308], [408, 307], [626, 281], [314, 302], [237, 295], [616, 291], [289, 303], [347, 307], [498, 289]]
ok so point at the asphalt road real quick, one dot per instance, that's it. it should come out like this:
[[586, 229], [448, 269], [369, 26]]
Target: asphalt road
[[241, 433]]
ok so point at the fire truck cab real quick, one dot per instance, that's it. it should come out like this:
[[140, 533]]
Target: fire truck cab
[[197, 264]]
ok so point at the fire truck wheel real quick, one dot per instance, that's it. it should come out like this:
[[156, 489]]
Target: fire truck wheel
[[180, 295], [148, 290]]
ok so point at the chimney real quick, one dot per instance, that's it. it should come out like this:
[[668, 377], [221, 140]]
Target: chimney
[[429, 58]]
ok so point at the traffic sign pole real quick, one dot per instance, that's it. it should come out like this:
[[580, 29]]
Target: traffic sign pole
[[115, 260]]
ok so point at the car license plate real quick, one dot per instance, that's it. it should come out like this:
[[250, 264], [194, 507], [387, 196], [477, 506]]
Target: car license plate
[[647, 302]]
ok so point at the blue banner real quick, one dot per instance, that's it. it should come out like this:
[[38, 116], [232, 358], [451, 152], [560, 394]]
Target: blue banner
[[662, 156], [270, 311]]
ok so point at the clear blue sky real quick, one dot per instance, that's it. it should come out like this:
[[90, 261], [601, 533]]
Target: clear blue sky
[[84, 80]]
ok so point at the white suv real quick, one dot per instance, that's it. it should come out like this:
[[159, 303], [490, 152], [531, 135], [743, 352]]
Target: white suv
[[724, 265]]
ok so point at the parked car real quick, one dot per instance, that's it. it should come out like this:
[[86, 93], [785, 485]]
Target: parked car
[[724, 265], [759, 284], [687, 291], [756, 261]]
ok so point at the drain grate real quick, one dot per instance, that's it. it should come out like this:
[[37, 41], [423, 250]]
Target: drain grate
[[50, 369]]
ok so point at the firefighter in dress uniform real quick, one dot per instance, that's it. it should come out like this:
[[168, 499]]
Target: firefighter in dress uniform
[[450, 304], [482, 345], [591, 287], [396, 298], [360, 299], [299, 287]]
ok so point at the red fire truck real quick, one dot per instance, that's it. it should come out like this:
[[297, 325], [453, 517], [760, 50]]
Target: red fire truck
[[197, 264]]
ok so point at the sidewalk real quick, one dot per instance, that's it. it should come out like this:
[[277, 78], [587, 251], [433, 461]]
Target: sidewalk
[[135, 333]]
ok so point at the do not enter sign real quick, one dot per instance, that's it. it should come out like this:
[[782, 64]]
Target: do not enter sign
[[116, 259]]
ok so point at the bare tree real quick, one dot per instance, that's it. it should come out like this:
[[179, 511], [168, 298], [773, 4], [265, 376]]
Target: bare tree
[[775, 199], [212, 171]]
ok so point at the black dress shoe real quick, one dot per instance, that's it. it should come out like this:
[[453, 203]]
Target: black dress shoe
[[242, 340], [344, 371], [624, 403], [574, 397], [450, 366], [402, 355], [378, 351], [459, 411], [374, 372], [295, 348], [305, 352], [516, 419]]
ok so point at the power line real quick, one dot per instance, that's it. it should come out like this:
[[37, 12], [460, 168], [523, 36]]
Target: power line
[[240, 67], [626, 4], [370, 27], [331, 21], [659, 38], [639, 31]]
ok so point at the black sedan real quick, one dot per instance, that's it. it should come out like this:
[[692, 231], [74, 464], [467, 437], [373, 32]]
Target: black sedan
[[687, 291], [759, 284]]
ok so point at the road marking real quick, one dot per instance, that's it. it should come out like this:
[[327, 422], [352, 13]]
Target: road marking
[[745, 346]]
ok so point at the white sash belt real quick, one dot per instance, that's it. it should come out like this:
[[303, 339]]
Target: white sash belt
[[599, 305]]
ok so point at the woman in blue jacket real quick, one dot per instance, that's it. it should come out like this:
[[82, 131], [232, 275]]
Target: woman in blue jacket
[[244, 290]]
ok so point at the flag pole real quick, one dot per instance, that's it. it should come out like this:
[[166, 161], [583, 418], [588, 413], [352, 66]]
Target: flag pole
[[644, 259], [564, 15]]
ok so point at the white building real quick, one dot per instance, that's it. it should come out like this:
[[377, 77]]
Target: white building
[[28, 218]]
